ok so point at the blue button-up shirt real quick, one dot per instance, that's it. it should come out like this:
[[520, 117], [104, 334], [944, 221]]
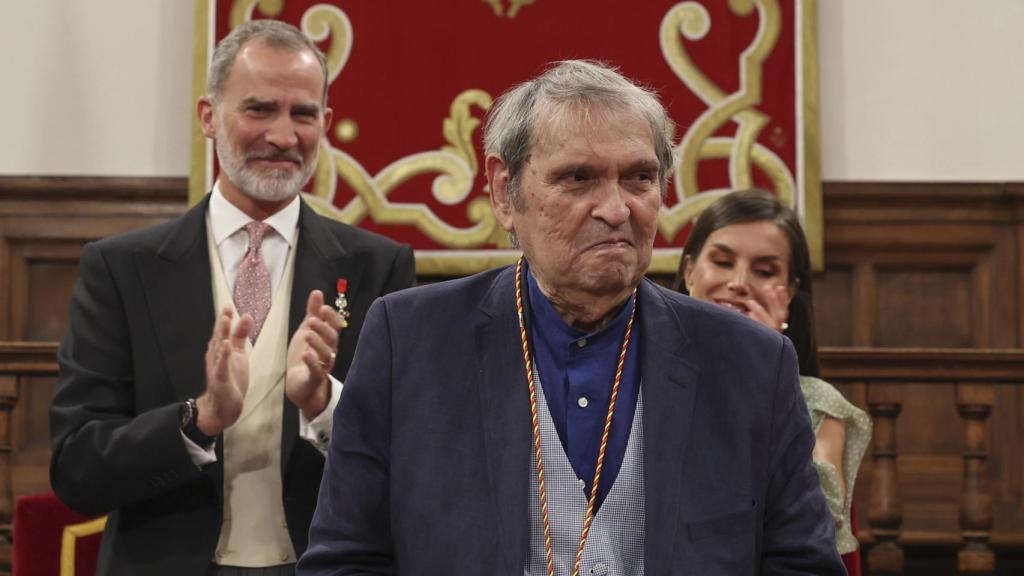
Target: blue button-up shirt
[[577, 371]]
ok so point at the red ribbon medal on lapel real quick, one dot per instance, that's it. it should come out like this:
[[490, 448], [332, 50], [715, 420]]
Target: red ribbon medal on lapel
[[341, 303]]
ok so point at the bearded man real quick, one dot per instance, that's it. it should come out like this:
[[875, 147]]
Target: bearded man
[[207, 450]]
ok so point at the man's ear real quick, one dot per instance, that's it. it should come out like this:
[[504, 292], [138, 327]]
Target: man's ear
[[328, 117], [207, 116], [497, 182]]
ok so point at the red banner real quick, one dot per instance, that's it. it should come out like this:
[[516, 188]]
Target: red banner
[[412, 81]]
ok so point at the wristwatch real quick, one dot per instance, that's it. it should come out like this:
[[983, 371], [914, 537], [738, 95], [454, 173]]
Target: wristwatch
[[189, 412]]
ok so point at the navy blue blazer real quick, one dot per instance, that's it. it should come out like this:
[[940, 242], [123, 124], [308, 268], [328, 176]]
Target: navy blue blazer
[[429, 467]]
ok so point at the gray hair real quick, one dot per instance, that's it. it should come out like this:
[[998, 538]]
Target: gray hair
[[587, 84], [272, 34]]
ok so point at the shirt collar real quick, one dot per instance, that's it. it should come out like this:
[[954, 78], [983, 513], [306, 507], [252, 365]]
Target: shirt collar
[[550, 326], [226, 218]]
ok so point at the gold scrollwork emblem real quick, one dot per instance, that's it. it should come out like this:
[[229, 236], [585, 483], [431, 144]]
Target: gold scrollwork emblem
[[456, 165], [691, 21], [513, 7]]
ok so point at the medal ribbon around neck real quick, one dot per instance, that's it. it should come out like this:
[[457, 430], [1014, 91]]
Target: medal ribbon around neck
[[588, 519]]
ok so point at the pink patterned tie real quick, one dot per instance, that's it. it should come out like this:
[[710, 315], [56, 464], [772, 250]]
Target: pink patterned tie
[[252, 284]]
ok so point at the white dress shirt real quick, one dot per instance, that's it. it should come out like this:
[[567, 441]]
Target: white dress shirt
[[226, 223]]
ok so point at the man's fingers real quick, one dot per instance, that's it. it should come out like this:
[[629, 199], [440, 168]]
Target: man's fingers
[[315, 301], [222, 326], [317, 370], [331, 316], [321, 349], [242, 330], [222, 362], [325, 330]]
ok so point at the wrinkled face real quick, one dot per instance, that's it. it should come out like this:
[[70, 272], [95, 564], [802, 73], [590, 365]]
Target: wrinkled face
[[267, 122], [588, 202], [740, 262]]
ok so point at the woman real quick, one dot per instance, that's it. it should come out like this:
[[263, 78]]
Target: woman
[[747, 252]]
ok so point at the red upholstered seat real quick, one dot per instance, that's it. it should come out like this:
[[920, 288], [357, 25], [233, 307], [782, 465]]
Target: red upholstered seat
[[39, 529], [852, 560]]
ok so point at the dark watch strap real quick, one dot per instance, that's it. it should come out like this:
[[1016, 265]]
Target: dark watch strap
[[189, 417]]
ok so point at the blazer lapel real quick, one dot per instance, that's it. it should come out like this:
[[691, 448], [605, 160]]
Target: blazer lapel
[[176, 281], [670, 372], [319, 261], [505, 411]]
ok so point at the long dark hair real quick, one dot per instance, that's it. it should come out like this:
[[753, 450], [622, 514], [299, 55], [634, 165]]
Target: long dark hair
[[755, 206]]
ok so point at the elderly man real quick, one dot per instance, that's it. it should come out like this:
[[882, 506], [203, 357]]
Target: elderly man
[[564, 415], [207, 451]]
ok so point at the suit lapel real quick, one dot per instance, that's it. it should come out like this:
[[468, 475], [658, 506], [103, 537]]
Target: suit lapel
[[176, 281], [670, 376], [505, 410], [319, 261]]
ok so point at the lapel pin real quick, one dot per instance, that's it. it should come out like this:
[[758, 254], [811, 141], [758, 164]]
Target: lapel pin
[[341, 302]]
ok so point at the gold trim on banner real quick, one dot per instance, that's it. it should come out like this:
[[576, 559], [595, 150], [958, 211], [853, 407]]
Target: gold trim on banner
[[691, 20], [513, 7], [814, 220], [197, 186], [464, 263], [455, 164], [241, 10]]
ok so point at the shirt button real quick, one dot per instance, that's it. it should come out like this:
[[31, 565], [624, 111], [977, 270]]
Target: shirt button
[[581, 342], [582, 402], [583, 485]]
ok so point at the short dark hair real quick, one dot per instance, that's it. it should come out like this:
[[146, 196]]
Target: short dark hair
[[270, 33], [757, 205]]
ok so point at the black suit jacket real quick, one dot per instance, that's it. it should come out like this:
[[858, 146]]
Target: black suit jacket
[[141, 316]]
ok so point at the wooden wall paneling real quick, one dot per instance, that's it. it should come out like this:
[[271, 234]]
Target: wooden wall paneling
[[938, 498], [6, 284], [923, 307], [864, 298], [974, 402], [43, 273], [933, 226], [885, 511], [44, 223], [19, 362], [833, 307], [30, 435], [1015, 277]]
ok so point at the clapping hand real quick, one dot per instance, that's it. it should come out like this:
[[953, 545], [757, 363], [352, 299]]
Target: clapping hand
[[311, 355], [227, 374]]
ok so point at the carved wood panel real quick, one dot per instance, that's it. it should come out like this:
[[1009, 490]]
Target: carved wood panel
[[931, 265]]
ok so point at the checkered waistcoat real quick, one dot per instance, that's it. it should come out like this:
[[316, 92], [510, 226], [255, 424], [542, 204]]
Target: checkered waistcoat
[[615, 545]]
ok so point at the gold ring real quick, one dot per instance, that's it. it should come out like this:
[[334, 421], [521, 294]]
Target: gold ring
[[333, 356], [784, 326]]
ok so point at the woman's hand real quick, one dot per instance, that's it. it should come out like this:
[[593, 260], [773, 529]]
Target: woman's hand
[[775, 311]]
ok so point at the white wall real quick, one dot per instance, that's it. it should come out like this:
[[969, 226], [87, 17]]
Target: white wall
[[96, 88], [910, 89], [922, 89]]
